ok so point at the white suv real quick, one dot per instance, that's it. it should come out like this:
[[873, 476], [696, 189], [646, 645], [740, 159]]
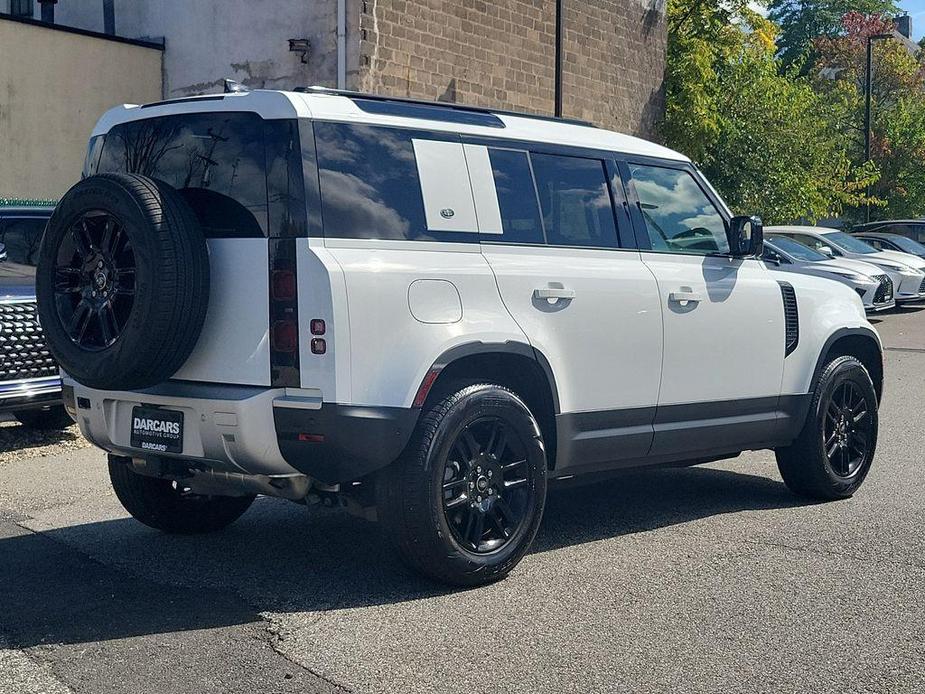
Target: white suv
[[424, 312]]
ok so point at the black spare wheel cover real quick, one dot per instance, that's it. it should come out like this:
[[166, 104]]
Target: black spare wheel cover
[[122, 281]]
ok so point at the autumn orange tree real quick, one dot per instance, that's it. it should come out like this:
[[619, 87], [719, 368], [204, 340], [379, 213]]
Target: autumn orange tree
[[898, 108]]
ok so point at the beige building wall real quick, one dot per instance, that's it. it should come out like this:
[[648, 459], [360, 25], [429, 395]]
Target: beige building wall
[[54, 85]]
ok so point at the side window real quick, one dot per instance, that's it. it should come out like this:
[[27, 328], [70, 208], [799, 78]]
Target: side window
[[575, 201], [679, 217], [773, 256], [22, 237], [520, 212], [814, 243], [370, 187], [876, 243]]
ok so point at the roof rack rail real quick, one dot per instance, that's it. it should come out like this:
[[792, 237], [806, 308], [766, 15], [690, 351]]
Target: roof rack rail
[[442, 104]]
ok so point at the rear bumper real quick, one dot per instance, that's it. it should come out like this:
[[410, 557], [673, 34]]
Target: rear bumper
[[254, 430], [30, 394]]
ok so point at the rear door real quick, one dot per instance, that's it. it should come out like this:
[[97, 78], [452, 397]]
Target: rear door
[[552, 228], [723, 317]]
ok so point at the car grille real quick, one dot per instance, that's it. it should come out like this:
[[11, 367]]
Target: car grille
[[23, 352], [922, 287], [884, 291]]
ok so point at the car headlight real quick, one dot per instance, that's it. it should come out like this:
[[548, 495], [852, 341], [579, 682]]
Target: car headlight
[[859, 278]]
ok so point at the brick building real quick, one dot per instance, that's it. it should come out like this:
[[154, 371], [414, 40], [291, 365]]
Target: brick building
[[499, 53], [502, 53]]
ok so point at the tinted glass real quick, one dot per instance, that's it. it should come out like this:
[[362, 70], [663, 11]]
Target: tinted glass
[[285, 187], [678, 215], [905, 244], [848, 243], [575, 201], [370, 187], [22, 238], [216, 160], [795, 249], [520, 212]]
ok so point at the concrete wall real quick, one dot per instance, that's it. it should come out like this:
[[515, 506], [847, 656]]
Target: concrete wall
[[207, 40], [53, 87], [502, 53]]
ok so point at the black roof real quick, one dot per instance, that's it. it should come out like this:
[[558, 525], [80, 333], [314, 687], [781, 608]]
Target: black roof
[[885, 222], [878, 234], [463, 112]]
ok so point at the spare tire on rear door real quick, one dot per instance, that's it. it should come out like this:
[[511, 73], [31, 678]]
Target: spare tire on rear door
[[122, 281]]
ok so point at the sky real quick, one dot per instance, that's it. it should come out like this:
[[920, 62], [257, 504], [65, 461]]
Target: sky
[[916, 8]]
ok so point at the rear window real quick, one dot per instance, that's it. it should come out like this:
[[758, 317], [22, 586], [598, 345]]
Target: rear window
[[241, 175]]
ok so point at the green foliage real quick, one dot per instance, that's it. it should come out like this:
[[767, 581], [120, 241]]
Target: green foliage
[[801, 22], [25, 202], [898, 111], [763, 136]]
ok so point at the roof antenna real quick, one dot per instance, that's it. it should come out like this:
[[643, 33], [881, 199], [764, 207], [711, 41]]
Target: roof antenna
[[232, 87]]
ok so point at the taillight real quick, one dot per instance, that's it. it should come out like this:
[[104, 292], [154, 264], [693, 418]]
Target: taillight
[[319, 346], [317, 326], [283, 285], [285, 336]]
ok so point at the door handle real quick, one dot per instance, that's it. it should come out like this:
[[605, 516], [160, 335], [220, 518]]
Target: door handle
[[554, 293], [685, 296]]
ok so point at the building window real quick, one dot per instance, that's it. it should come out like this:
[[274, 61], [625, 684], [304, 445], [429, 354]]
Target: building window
[[22, 8]]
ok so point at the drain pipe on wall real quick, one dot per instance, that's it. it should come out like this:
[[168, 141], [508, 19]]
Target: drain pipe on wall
[[341, 44]]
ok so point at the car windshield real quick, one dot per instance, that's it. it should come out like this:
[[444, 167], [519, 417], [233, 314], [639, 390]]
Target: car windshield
[[908, 245], [846, 242], [795, 249]]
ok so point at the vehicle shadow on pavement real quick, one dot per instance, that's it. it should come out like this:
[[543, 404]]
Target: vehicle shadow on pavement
[[115, 579]]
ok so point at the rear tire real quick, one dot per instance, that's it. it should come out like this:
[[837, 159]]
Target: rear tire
[[160, 504], [464, 502], [54, 418], [834, 452]]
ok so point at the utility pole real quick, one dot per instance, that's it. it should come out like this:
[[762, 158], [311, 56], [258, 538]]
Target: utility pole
[[558, 87], [868, 90]]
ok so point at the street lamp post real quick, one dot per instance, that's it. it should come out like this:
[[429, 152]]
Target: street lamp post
[[868, 89]]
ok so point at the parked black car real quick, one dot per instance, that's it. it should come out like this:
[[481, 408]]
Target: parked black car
[[891, 242], [30, 384], [910, 228]]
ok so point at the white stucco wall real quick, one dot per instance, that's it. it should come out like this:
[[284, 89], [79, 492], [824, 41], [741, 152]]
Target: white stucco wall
[[208, 40]]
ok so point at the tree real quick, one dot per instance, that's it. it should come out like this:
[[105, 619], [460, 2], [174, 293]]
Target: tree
[[801, 22], [898, 109], [762, 136]]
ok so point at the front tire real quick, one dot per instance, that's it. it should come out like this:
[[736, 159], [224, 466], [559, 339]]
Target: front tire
[[464, 502], [163, 505], [833, 453]]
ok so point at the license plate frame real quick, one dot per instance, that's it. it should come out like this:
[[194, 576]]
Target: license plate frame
[[157, 429]]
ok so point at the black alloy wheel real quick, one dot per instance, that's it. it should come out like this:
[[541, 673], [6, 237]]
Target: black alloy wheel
[[847, 429], [95, 280], [834, 451], [486, 482]]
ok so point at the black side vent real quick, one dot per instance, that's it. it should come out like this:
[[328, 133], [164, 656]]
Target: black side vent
[[791, 318]]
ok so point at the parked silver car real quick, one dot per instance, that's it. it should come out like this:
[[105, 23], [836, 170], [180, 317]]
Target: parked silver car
[[907, 271], [871, 283]]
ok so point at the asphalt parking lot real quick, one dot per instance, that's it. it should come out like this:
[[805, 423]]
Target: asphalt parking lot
[[685, 580]]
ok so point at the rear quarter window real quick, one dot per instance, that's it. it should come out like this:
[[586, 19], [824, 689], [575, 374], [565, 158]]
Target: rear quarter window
[[370, 187]]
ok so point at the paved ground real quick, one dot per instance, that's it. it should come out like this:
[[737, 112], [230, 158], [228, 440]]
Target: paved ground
[[699, 580]]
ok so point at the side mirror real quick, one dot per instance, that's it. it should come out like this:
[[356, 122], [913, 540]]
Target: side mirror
[[827, 251], [746, 236], [2, 252]]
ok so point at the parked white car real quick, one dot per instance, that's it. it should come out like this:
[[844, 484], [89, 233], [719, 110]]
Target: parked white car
[[837, 244], [424, 312], [872, 284]]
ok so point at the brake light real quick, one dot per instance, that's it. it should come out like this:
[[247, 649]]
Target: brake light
[[285, 336], [283, 285]]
